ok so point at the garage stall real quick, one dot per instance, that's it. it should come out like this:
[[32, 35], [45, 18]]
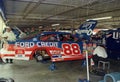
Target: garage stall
[[60, 40]]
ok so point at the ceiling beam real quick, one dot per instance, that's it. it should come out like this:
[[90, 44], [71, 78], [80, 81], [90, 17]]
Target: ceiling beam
[[79, 7], [102, 12], [34, 7], [28, 5], [34, 20], [64, 5], [24, 25], [33, 1], [87, 6], [47, 3]]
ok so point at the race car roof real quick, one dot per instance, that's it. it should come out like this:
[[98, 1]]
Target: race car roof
[[55, 33]]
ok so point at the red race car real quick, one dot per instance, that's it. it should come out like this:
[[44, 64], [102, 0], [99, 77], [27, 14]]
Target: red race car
[[57, 46]]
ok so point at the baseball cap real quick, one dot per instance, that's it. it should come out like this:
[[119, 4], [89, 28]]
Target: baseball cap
[[7, 27]]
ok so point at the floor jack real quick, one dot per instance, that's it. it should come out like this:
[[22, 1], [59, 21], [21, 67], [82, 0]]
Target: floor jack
[[52, 67]]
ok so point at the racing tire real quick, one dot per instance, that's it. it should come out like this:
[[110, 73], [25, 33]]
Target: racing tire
[[11, 80], [6, 80], [39, 58]]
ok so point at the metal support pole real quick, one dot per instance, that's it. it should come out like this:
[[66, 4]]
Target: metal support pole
[[87, 65]]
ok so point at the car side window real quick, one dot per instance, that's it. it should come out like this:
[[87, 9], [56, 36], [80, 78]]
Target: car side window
[[48, 37], [66, 37]]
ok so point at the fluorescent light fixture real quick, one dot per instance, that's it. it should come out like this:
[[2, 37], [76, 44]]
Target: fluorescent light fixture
[[102, 18], [55, 24]]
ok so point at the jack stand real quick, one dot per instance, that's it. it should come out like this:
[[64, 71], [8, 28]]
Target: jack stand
[[44, 61], [83, 80], [83, 63], [52, 67]]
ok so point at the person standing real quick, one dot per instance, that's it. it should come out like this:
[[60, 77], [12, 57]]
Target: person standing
[[8, 36]]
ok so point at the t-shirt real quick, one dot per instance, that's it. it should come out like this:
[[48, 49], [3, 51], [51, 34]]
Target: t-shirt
[[100, 51], [10, 36]]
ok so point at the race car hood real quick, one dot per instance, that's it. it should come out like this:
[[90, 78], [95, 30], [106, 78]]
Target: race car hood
[[85, 30]]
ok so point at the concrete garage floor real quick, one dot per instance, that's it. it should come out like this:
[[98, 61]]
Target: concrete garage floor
[[30, 71]]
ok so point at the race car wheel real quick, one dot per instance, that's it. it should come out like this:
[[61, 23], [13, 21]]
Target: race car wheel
[[41, 55], [39, 58]]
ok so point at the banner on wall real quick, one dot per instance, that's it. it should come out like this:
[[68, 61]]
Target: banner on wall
[[2, 10]]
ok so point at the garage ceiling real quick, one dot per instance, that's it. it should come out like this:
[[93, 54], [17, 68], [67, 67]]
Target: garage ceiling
[[26, 13]]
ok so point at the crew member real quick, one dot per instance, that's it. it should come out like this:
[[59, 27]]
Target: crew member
[[99, 54], [8, 36]]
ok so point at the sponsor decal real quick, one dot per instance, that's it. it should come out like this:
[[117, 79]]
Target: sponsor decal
[[116, 35], [86, 29], [49, 44], [24, 44], [56, 56], [71, 49], [39, 44], [55, 51]]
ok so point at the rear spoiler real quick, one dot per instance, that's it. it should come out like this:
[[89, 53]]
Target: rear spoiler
[[85, 30]]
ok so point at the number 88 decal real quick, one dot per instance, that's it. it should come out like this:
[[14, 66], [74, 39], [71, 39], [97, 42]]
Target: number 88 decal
[[71, 49]]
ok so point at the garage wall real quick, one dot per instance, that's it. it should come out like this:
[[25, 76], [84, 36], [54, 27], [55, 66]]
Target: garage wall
[[2, 25]]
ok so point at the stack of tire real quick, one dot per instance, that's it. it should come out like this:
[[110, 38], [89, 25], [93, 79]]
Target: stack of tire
[[6, 80]]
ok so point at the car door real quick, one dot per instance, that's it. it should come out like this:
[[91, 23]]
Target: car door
[[72, 47]]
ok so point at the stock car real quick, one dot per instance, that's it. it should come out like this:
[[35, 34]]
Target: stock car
[[57, 46]]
